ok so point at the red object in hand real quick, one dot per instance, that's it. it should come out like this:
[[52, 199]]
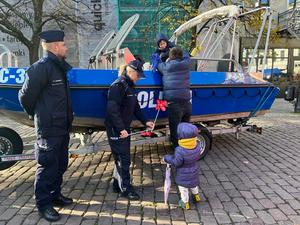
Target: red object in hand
[[161, 104], [146, 134]]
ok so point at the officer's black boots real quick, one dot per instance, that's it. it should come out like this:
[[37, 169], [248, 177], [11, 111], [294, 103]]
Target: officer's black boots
[[62, 201], [131, 195], [49, 214], [116, 187]]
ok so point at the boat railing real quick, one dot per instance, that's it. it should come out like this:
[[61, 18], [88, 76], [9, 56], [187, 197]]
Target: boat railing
[[95, 57], [231, 14], [238, 67], [108, 53], [7, 57]]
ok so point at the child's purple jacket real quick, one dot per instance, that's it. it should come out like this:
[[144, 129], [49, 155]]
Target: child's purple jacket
[[186, 163]]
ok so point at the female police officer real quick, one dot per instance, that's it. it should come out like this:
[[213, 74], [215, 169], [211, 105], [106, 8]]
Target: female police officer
[[122, 105]]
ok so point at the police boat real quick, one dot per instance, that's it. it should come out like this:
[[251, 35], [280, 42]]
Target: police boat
[[232, 96]]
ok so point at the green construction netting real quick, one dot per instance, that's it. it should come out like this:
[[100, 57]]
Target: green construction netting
[[142, 38]]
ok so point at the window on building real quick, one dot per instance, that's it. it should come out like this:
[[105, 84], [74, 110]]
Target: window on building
[[264, 2], [291, 3], [296, 52], [281, 53], [275, 59]]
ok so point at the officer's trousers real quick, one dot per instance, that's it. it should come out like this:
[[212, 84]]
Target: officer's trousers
[[51, 154], [120, 148], [178, 112]]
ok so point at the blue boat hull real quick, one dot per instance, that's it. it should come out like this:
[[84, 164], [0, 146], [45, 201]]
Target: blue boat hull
[[215, 96]]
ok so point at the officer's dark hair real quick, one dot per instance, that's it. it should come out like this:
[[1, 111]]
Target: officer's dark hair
[[175, 53]]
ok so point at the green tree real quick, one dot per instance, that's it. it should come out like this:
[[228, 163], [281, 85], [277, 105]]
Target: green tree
[[171, 14]]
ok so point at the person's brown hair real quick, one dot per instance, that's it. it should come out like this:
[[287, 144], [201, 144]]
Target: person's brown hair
[[175, 53]]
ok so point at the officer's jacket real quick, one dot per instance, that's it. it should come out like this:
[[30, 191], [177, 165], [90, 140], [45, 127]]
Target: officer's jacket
[[176, 79], [122, 105], [45, 95]]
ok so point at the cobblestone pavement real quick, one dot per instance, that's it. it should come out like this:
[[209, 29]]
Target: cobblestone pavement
[[253, 180]]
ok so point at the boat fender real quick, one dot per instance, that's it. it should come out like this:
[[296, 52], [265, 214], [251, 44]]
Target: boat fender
[[252, 92], [204, 93], [237, 92]]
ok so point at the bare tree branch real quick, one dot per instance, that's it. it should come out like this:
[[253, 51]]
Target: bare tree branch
[[14, 9], [33, 14]]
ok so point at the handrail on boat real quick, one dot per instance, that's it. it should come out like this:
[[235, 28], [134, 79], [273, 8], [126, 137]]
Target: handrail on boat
[[232, 13], [10, 56], [237, 65]]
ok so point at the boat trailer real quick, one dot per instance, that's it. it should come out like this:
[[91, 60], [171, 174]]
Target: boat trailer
[[87, 146]]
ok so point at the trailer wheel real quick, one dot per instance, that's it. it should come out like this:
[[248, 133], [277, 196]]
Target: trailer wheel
[[205, 143], [10, 144]]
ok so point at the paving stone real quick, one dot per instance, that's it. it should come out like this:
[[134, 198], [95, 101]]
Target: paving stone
[[147, 222], [8, 214], [230, 207], [284, 195], [256, 221], [89, 222], [215, 203], [266, 203], [105, 218], [74, 220], [286, 209], [277, 214], [286, 222], [254, 203], [295, 204], [239, 201], [208, 220], [32, 218], [221, 216], [223, 197], [257, 193], [295, 219], [247, 194], [191, 216], [247, 211], [16, 220], [227, 185], [237, 218], [266, 217], [276, 200], [266, 190]]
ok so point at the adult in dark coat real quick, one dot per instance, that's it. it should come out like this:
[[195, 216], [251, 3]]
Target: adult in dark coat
[[176, 89], [45, 96], [122, 106]]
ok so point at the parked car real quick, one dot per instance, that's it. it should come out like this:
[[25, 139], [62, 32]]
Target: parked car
[[273, 73]]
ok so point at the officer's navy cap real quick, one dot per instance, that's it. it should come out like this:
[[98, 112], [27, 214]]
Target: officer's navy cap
[[52, 36], [137, 66]]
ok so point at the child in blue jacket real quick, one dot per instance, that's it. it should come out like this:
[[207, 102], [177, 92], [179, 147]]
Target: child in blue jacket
[[185, 160], [161, 54]]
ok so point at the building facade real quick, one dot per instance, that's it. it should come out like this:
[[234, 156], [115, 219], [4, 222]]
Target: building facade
[[284, 53], [81, 40]]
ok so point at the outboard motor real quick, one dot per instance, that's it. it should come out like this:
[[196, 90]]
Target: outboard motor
[[289, 94]]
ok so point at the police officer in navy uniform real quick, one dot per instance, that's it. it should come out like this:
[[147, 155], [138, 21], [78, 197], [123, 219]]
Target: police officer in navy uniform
[[122, 106], [45, 96]]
